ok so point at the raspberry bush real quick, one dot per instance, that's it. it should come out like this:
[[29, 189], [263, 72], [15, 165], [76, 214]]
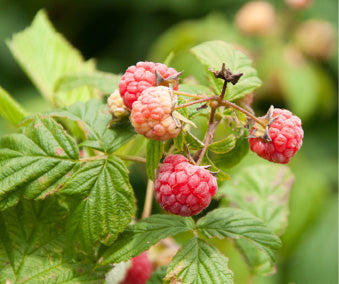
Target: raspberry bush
[[67, 206]]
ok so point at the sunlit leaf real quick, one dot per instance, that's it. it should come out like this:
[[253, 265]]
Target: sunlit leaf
[[45, 55], [10, 109], [105, 82], [213, 53]]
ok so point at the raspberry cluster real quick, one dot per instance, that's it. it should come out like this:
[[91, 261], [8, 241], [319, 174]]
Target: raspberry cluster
[[286, 134], [182, 188], [139, 77], [151, 114], [140, 270]]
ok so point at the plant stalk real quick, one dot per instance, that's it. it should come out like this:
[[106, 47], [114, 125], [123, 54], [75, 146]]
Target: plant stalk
[[197, 102], [148, 200]]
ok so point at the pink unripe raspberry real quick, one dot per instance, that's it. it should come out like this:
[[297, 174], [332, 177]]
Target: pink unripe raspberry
[[140, 270], [139, 77], [286, 134], [151, 114], [182, 188]]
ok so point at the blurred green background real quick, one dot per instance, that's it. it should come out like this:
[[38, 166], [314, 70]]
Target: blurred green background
[[294, 49]]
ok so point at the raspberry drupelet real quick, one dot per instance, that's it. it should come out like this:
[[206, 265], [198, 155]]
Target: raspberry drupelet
[[151, 114], [182, 188], [139, 77], [286, 136]]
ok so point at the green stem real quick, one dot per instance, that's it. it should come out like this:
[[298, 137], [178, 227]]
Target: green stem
[[234, 106], [197, 102], [189, 95], [148, 200], [131, 158]]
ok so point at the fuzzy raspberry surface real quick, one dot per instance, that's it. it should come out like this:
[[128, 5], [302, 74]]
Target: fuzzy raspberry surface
[[139, 77], [182, 188], [286, 134], [151, 115], [140, 270]]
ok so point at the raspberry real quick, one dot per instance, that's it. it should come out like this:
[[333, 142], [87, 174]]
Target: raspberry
[[182, 188], [140, 270], [139, 77], [255, 18], [286, 134], [152, 114]]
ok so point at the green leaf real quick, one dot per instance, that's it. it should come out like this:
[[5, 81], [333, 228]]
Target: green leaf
[[223, 146], [10, 109], [258, 261], [301, 85], [158, 276], [221, 175], [141, 236], [192, 141], [105, 82], [107, 202], [45, 55], [213, 53], [199, 263], [35, 163], [262, 190], [179, 141], [154, 153], [31, 247], [94, 118], [237, 223], [233, 157]]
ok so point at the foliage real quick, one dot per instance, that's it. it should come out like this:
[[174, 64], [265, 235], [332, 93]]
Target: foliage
[[66, 200]]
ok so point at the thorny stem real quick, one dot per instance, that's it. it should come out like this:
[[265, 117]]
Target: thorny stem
[[148, 200], [197, 102]]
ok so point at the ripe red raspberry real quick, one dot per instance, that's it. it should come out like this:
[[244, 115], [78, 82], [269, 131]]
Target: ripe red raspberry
[[286, 134], [140, 270], [151, 115], [140, 77], [182, 188]]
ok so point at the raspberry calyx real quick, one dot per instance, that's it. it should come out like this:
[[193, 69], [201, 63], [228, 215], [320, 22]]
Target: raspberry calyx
[[182, 188]]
